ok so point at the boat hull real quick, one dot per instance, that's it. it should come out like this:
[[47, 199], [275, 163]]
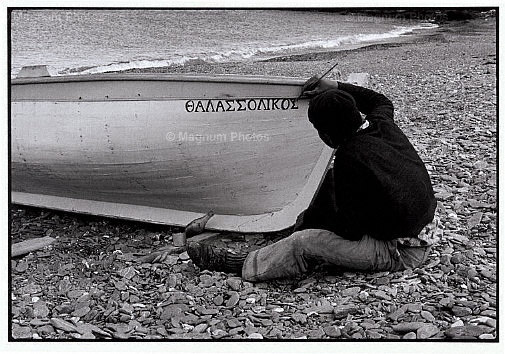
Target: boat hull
[[166, 149]]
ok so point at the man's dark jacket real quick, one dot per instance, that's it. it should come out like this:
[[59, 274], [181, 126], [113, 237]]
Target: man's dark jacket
[[381, 186]]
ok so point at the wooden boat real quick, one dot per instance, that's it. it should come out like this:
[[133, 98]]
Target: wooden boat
[[166, 148]]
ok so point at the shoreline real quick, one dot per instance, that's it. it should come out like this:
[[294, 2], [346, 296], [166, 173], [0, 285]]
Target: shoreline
[[417, 37]]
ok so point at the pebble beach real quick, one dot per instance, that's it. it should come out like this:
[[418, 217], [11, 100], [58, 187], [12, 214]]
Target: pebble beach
[[89, 284]]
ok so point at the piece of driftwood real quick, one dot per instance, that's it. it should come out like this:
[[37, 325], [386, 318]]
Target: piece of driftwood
[[30, 245]]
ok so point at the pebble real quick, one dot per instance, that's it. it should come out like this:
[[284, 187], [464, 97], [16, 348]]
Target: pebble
[[382, 295], [40, 309], [21, 332], [299, 317], [410, 335], [218, 300], [465, 331], [200, 328], [219, 333], [407, 326], [428, 316], [81, 312], [486, 336], [458, 323], [234, 283], [173, 310], [395, 315], [332, 331], [353, 291], [233, 300], [31, 289], [427, 331], [206, 281], [45, 330], [184, 256], [316, 333], [63, 325], [344, 310], [461, 311], [373, 334]]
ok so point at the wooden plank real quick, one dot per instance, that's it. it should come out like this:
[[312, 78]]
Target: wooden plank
[[33, 244]]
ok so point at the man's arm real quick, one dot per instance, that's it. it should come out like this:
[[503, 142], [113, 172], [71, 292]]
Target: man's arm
[[368, 101]]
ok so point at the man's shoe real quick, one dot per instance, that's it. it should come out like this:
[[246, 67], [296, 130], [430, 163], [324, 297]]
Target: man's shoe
[[207, 256]]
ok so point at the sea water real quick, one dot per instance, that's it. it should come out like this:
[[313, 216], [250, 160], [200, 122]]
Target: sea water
[[82, 41]]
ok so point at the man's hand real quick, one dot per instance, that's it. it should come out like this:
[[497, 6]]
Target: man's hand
[[314, 86]]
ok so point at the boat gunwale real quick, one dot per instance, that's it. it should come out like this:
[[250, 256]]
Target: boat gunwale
[[222, 78]]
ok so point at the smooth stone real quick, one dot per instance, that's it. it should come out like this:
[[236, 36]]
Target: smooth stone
[[427, 331], [410, 335], [465, 331], [332, 331], [255, 336], [407, 326]]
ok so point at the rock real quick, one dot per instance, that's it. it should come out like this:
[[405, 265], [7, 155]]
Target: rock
[[344, 310], [332, 331], [233, 323], [40, 309], [233, 300], [316, 333], [45, 330], [382, 295], [458, 323], [184, 256], [234, 283], [461, 311], [63, 325], [428, 316], [427, 331], [382, 281], [255, 336], [88, 336], [31, 289], [200, 328], [410, 335], [395, 315], [457, 258], [173, 310], [415, 308], [207, 311], [21, 267], [219, 333], [206, 281], [407, 326], [218, 300], [465, 331], [372, 334], [351, 291], [21, 332], [38, 322], [487, 336], [128, 272], [81, 312], [299, 317]]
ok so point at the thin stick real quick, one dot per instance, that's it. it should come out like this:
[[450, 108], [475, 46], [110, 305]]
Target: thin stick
[[327, 72], [322, 76]]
